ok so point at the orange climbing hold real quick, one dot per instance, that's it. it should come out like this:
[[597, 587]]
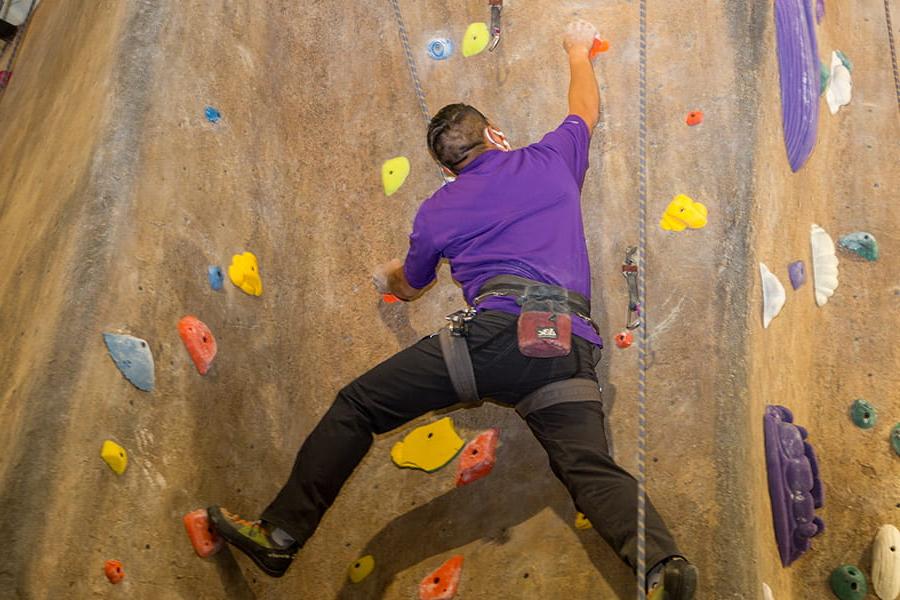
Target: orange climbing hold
[[199, 341], [599, 46], [114, 571], [695, 117], [442, 584], [203, 537], [390, 298], [478, 457], [624, 339]]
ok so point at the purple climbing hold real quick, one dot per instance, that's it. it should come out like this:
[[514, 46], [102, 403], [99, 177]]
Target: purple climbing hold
[[794, 486], [797, 273], [798, 63], [820, 10]]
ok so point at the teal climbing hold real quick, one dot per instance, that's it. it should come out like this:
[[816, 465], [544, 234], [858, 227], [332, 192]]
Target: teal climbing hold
[[862, 243], [863, 414], [848, 583], [824, 77], [133, 358], [843, 58], [895, 439]]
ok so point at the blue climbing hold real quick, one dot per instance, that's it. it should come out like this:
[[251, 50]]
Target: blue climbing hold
[[133, 358], [212, 115], [797, 273], [440, 48], [216, 277]]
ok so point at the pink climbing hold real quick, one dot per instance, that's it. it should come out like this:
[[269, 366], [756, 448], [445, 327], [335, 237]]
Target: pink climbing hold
[[478, 457], [204, 538], [442, 583], [199, 341], [5, 76]]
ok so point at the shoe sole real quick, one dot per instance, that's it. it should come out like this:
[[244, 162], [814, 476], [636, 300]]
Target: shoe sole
[[230, 535], [680, 582]]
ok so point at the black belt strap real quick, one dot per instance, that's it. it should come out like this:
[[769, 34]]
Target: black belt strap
[[459, 366], [568, 390], [513, 285]]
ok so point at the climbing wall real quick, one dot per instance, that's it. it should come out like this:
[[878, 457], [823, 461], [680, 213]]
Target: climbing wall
[[119, 192]]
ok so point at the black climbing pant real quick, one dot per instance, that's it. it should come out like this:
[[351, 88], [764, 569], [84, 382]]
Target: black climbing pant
[[415, 381]]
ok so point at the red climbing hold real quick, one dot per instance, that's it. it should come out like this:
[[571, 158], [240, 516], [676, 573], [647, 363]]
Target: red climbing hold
[[114, 571], [695, 117], [199, 341], [442, 584], [390, 298], [5, 76], [599, 46], [624, 339], [478, 457], [203, 537]]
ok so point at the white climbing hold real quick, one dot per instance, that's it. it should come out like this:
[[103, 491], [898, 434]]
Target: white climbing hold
[[886, 563], [767, 593], [773, 295], [825, 264], [840, 85]]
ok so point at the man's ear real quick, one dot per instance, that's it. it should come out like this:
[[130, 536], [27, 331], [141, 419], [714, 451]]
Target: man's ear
[[496, 138]]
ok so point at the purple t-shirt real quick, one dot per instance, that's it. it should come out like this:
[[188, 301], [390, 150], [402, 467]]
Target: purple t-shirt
[[511, 213]]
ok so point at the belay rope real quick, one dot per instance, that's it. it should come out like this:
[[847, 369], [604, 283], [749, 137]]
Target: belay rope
[[890, 30], [642, 293], [642, 254]]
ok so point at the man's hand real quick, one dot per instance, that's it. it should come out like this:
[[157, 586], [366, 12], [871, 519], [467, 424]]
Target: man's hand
[[381, 277], [579, 36], [390, 279]]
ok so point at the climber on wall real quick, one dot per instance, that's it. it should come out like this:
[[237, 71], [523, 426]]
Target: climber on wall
[[510, 225]]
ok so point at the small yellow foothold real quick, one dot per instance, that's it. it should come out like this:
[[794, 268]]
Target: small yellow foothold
[[115, 456], [582, 522], [429, 447], [393, 173], [476, 40], [682, 213], [244, 273], [361, 568]]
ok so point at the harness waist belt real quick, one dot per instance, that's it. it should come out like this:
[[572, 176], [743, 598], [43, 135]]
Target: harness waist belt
[[515, 286]]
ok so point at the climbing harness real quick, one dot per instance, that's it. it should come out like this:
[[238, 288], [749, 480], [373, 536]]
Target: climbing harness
[[890, 28], [16, 44], [641, 566]]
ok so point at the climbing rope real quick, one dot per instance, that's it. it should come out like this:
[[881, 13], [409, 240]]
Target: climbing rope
[[642, 292], [890, 28], [19, 36], [404, 39]]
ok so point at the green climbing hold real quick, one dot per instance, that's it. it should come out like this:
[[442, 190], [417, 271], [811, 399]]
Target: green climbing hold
[[895, 439], [862, 243], [863, 414], [824, 77], [843, 58], [848, 583]]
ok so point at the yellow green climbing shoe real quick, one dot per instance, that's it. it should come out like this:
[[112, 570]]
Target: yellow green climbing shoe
[[253, 539]]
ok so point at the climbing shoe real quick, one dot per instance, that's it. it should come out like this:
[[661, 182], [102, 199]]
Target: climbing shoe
[[253, 539], [677, 581]]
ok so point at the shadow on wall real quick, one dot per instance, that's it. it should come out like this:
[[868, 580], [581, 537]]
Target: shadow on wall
[[503, 501]]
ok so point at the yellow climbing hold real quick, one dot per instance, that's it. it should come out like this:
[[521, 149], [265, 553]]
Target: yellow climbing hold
[[476, 40], [393, 173], [429, 447], [582, 522], [244, 273], [115, 456], [361, 568], [682, 213]]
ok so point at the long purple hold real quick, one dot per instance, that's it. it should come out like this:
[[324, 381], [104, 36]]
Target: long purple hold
[[798, 62], [795, 488]]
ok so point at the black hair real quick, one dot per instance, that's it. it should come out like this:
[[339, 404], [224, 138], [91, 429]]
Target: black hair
[[454, 132]]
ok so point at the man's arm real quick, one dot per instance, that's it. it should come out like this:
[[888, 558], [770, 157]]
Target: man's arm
[[584, 93]]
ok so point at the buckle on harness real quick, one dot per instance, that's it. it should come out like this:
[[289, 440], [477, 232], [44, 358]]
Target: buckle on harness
[[459, 321]]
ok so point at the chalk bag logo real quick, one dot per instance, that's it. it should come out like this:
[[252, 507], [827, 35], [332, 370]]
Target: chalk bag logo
[[547, 333]]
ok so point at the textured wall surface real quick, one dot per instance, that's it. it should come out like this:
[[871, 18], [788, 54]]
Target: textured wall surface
[[116, 193]]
